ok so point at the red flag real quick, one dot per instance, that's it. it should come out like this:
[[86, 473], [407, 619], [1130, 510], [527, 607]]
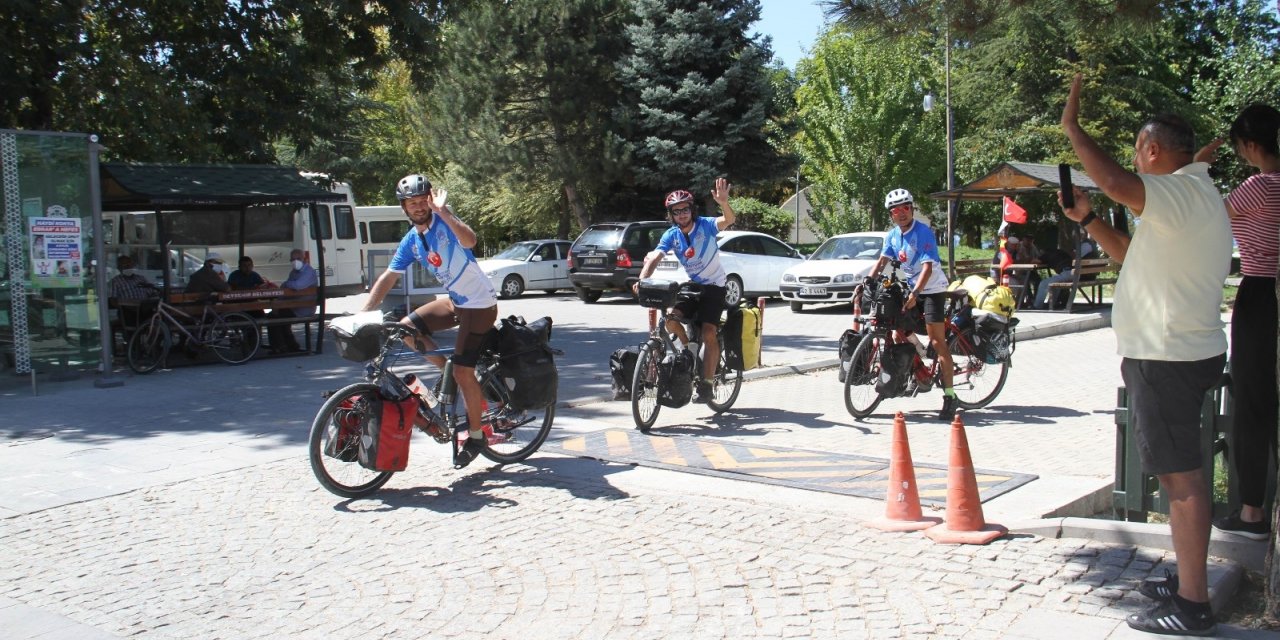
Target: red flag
[[1014, 213]]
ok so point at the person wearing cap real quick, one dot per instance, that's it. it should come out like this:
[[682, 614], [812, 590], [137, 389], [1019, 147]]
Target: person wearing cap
[[211, 278]]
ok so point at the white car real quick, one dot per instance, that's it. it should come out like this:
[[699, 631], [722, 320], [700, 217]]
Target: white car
[[832, 272], [531, 264], [753, 263]]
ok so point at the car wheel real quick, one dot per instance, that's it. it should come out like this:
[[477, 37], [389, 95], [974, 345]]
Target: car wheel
[[797, 307], [732, 291], [588, 295], [512, 286]]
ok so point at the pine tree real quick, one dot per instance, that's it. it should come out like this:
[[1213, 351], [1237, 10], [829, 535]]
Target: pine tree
[[696, 96]]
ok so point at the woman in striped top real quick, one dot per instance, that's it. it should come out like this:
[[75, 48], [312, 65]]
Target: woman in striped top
[[1254, 208]]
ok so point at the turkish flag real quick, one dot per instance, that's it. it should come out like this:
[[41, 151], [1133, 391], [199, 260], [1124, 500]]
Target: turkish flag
[[1014, 213]]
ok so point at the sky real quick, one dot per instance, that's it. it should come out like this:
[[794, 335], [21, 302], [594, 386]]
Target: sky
[[794, 26]]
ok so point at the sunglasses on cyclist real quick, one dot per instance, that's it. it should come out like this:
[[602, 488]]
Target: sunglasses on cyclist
[[675, 211]]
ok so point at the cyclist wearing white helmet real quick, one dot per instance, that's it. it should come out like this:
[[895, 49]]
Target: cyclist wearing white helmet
[[441, 242], [693, 239], [912, 244]]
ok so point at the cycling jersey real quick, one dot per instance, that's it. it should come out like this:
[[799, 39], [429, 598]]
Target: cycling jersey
[[913, 248], [697, 251], [452, 264]]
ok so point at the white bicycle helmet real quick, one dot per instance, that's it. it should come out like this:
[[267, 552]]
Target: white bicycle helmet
[[897, 197]]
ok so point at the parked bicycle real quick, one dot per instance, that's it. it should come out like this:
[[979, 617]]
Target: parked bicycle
[[511, 435], [666, 373], [233, 337], [888, 362]]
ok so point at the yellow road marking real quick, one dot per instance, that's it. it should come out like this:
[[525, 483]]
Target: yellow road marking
[[618, 442]]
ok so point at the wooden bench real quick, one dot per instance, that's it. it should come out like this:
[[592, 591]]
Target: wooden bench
[[974, 266], [262, 300], [1087, 279]]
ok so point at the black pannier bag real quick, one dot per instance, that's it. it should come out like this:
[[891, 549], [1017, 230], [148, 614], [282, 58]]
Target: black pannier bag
[[732, 334], [676, 373], [526, 364], [849, 342], [993, 337], [888, 306], [895, 369], [622, 367]]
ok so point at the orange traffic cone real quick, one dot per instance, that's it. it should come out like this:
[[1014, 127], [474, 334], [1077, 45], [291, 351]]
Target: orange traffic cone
[[902, 502], [964, 523]]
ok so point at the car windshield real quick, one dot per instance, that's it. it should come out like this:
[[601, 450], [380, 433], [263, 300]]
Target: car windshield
[[519, 251], [857, 247]]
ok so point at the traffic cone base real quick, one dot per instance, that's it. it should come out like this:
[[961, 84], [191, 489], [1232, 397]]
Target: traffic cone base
[[902, 501], [964, 523], [887, 524]]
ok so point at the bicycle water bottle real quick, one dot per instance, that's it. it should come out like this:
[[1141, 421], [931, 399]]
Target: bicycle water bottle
[[422, 420], [415, 385]]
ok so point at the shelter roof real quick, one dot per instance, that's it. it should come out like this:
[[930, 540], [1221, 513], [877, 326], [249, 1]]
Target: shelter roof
[[130, 186], [1015, 178]]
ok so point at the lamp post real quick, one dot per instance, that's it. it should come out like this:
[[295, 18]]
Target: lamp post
[[797, 241], [951, 160]]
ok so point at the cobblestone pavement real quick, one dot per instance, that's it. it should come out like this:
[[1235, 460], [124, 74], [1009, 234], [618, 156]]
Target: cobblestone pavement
[[551, 550]]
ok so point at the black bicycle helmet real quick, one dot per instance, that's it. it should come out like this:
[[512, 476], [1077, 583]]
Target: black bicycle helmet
[[413, 185]]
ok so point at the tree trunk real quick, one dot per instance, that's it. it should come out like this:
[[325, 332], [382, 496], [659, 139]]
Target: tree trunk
[[575, 205]]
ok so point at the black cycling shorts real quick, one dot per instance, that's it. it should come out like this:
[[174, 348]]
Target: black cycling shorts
[[706, 307]]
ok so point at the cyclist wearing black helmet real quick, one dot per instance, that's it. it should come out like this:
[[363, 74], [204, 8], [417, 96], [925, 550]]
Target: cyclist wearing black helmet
[[441, 242], [693, 238], [911, 243]]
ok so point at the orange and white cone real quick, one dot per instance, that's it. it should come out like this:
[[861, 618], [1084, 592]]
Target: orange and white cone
[[902, 502], [964, 523]]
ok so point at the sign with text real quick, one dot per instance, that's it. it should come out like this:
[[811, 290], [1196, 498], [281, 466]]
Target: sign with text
[[57, 258]]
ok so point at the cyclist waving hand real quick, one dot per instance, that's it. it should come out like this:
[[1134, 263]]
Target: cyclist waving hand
[[693, 239], [911, 243]]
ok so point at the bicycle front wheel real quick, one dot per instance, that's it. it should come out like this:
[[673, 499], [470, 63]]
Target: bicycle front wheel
[[335, 437], [977, 383], [149, 346], [860, 395], [517, 433], [725, 386], [644, 388], [233, 337]]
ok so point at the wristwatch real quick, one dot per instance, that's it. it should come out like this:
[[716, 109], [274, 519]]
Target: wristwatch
[[1089, 217]]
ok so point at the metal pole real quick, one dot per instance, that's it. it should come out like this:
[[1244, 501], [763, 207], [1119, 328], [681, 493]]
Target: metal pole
[[106, 378], [797, 205], [951, 167]]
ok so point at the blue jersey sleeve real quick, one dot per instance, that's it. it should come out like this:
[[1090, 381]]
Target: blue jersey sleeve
[[890, 248], [404, 253], [668, 239], [927, 245]]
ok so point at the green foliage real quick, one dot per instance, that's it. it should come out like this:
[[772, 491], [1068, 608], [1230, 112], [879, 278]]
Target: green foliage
[[696, 96], [754, 215], [863, 130], [205, 80]]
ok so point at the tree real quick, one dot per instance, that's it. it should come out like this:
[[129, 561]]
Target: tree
[[206, 80], [863, 130], [696, 97], [524, 96]]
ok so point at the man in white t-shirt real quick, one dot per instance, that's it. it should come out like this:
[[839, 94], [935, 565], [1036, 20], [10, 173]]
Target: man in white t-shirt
[[1168, 331]]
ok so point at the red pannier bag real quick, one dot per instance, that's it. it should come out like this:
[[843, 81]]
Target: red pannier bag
[[384, 445]]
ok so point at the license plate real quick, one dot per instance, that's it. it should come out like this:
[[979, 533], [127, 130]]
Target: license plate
[[667, 265], [813, 291], [593, 261]]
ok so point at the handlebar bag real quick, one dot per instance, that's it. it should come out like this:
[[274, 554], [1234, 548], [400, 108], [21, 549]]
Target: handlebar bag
[[384, 440]]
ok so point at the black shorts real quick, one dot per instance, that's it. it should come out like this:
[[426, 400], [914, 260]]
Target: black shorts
[[933, 305], [1164, 410], [705, 308]]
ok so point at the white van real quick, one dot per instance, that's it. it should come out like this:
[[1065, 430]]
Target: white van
[[271, 233]]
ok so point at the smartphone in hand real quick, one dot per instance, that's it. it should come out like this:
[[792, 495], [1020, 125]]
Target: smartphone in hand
[[1068, 193]]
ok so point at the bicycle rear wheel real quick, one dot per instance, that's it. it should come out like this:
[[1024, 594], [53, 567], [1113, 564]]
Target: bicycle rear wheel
[[517, 433], [335, 435], [233, 337], [149, 346], [977, 383], [860, 395], [725, 387], [644, 388]]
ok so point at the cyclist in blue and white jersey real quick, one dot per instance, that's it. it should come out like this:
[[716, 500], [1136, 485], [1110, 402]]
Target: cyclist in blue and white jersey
[[441, 242], [693, 239], [911, 242]]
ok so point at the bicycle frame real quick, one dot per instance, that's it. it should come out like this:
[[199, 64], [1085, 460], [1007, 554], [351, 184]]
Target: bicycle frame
[[165, 312]]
